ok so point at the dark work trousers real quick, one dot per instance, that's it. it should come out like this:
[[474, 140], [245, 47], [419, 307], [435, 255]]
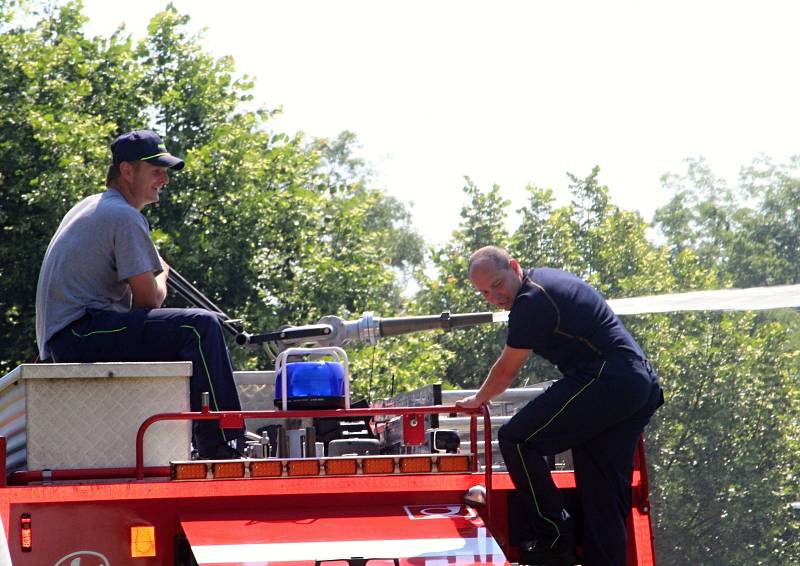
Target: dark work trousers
[[161, 335], [599, 413]]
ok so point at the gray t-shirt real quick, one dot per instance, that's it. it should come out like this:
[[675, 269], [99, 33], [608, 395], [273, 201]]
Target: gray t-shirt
[[101, 242]]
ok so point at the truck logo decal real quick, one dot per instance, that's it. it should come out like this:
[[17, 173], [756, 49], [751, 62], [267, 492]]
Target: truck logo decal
[[83, 558], [444, 511]]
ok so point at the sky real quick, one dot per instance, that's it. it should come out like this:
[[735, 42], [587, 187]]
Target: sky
[[512, 93]]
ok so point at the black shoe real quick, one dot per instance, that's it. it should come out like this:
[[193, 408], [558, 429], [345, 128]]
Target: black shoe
[[548, 553], [220, 452]]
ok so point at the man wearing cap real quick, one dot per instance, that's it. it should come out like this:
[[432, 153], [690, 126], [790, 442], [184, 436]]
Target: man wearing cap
[[102, 284]]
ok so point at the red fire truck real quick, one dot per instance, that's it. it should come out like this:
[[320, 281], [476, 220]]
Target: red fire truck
[[323, 484]]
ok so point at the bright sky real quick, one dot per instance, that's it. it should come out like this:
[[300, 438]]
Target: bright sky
[[514, 92]]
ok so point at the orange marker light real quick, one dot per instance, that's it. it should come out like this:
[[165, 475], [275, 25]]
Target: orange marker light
[[189, 471], [377, 465], [453, 463], [303, 467], [346, 467], [268, 469], [228, 470], [143, 541], [25, 532], [415, 465]]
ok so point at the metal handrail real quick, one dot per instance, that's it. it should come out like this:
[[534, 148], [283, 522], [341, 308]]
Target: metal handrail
[[235, 419]]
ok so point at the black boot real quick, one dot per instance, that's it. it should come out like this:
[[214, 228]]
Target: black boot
[[560, 552]]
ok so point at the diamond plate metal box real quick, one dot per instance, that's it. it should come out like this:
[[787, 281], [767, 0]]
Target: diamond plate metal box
[[68, 416], [256, 393]]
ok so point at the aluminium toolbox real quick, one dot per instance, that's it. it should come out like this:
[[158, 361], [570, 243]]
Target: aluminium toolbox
[[71, 416]]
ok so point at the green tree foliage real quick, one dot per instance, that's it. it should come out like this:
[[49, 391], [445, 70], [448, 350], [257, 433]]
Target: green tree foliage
[[483, 221], [750, 232], [58, 99], [592, 238], [274, 229], [279, 229], [726, 470], [723, 450]]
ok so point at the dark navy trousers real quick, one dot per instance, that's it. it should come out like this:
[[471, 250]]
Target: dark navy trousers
[[161, 335], [599, 412]]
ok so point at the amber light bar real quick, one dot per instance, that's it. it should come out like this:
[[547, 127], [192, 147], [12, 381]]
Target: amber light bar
[[312, 467]]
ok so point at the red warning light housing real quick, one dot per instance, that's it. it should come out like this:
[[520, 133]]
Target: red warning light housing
[[25, 532]]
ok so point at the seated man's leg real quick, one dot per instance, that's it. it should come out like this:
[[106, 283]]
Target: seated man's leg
[[196, 335], [100, 336], [193, 335]]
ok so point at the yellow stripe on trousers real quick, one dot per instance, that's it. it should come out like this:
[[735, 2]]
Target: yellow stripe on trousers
[[537, 431], [208, 373]]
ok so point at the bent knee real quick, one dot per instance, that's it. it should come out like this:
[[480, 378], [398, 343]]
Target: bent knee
[[202, 318], [508, 435]]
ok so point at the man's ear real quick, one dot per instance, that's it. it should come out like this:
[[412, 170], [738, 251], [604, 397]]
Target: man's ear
[[126, 168], [514, 266]]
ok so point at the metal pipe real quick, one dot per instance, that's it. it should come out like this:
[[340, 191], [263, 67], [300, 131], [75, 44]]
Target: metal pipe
[[408, 324], [179, 280], [473, 440], [2, 461], [26, 477], [517, 395], [299, 334], [176, 282], [368, 329], [487, 458]]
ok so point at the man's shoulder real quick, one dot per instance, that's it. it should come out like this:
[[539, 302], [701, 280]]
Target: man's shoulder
[[85, 204], [558, 281], [113, 205], [551, 275], [113, 200]]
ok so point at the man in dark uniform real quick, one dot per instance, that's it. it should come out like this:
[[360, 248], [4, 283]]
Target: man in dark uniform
[[598, 409]]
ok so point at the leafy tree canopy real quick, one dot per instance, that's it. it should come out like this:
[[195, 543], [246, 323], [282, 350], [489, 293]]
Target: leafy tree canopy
[[275, 229], [281, 229]]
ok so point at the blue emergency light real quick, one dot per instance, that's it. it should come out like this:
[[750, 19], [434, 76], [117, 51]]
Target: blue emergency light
[[312, 385]]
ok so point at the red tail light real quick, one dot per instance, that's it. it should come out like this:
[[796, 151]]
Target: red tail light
[[25, 538]]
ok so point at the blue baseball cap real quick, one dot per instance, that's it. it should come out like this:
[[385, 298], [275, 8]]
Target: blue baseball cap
[[143, 145]]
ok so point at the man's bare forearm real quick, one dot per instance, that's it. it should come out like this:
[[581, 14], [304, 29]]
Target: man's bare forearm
[[495, 383]]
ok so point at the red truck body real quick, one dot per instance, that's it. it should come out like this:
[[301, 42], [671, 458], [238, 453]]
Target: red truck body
[[311, 513]]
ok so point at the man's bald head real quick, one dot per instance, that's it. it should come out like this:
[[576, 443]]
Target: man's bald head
[[495, 275], [498, 257]]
